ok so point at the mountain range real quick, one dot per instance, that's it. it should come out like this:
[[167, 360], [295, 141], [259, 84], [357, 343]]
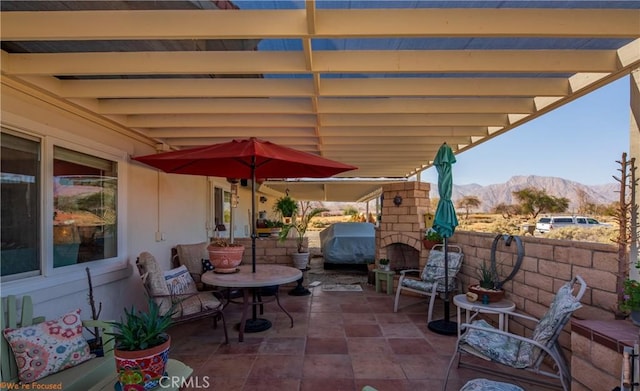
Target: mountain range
[[501, 193]]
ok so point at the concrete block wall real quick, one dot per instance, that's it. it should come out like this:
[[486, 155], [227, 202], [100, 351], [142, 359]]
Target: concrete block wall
[[547, 264], [270, 250]]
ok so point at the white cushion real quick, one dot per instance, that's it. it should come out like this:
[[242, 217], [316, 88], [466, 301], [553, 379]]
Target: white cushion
[[179, 281]]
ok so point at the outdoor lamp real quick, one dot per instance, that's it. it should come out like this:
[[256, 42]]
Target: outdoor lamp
[[397, 200]]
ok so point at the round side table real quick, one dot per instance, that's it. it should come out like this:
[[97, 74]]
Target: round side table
[[503, 305]]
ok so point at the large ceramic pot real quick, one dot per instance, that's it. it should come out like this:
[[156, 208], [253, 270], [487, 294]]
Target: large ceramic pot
[[300, 260], [142, 369], [225, 259]]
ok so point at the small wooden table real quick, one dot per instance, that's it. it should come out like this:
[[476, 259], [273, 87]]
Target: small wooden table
[[177, 377], [265, 275], [384, 275], [503, 305]]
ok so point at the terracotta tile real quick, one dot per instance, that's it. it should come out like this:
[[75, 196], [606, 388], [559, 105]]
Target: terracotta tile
[[376, 367], [277, 367], [257, 384], [328, 366], [290, 346], [227, 366], [405, 330], [362, 330], [311, 384], [326, 346], [373, 346], [410, 346]]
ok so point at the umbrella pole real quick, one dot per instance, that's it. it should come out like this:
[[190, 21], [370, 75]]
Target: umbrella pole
[[445, 326], [255, 324]]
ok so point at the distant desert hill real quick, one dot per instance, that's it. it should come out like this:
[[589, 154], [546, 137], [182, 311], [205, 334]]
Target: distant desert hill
[[495, 194]]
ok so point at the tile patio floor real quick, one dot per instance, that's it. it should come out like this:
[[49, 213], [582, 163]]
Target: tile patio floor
[[340, 341]]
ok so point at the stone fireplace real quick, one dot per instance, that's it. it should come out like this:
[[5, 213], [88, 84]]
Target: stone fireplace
[[399, 235]]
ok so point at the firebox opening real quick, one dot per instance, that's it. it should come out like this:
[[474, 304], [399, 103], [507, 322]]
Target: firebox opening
[[403, 256]]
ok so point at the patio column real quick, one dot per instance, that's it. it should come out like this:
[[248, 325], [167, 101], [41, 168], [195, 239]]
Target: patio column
[[634, 152]]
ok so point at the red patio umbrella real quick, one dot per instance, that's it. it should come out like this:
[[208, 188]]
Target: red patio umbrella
[[246, 159]]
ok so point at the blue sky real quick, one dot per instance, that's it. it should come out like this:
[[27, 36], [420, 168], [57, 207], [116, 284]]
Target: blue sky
[[581, 141]]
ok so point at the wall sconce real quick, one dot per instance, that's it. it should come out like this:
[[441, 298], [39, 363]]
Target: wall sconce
[[397, 200], [263, 199]]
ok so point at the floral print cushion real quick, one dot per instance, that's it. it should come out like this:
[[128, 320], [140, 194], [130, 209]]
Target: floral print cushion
[[520, 354], [499, 348], [49, 347], [489, 385], [434, 269]]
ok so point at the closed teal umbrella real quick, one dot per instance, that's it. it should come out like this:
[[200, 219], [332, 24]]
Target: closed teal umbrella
[[445, 223]]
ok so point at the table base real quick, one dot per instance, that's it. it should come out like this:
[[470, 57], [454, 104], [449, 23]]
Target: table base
[[299, 290], [256, 325], [444, 327]]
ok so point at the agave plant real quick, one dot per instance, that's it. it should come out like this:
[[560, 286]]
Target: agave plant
[[141, 330]]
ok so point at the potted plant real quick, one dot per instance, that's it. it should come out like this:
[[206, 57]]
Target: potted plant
[[299, 225], [630, 303], [384, 264], [141, 347], [286, 207], [224, 256], [488, 288], [274, 227], [431, 238]]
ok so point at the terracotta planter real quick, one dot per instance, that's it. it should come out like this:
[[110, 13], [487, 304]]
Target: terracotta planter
[[142, 369], [428, 244], [225, 259], [493, 295]]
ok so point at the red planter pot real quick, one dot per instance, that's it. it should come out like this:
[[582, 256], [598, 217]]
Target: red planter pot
[[142, 369], [225, 259], [428, 244]]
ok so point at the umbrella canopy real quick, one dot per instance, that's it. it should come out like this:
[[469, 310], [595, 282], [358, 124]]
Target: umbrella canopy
[[445, 221], [246, 159], [243, 159]]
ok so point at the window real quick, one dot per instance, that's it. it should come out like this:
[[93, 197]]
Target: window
[[84, 203], [82, 214], [20, 187], [222, 212]]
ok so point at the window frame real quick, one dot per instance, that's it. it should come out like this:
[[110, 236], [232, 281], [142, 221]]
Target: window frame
[[57, 280]]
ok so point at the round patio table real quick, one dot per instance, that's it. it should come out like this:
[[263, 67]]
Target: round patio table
[[265, 275]]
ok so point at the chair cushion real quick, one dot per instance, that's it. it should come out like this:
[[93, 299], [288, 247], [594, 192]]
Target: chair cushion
[[562, 306], [191, 256], [48, 347], [155, 282], [179, 281], [196, 303], [500, 348], [434, 269], [418, 284], [489, 385]]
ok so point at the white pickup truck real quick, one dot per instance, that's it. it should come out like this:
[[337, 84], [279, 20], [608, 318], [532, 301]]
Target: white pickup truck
[[545, 224]]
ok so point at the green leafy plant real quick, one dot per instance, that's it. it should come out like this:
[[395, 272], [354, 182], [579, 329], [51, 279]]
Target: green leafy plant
[[141, 330], [285, 206], [300, 224], [631, 296], [383, 261], [488, 277], [432, 235]]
